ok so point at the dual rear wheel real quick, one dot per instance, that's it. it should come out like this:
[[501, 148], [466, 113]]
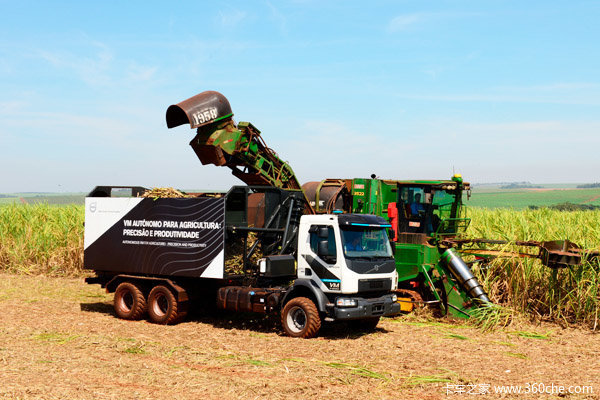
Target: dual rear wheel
[[162, 305], [129, 302]]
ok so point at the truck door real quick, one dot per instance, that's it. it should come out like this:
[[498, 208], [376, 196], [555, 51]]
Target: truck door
[[322, 259]]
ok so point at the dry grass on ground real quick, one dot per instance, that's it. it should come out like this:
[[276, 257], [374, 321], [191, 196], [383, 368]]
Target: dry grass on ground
[[59, 339]]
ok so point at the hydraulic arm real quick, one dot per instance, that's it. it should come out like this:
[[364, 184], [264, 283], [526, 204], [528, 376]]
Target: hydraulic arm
[[221, 142]]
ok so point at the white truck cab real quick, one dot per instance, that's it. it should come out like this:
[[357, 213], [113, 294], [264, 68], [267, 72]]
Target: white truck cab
[[346, 253], [347, 263]]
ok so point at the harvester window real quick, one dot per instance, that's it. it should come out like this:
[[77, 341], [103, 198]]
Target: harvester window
[[445, 208], [416, 209], [428, 209]]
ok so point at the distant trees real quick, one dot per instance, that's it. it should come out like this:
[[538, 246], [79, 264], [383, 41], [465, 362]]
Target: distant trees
[[568, 206], [520, 185], [589, 186]]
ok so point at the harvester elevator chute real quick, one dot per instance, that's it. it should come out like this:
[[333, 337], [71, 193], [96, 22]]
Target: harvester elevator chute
[[222, 142]]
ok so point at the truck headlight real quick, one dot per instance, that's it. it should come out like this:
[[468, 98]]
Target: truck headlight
[[394, 298], [344, 302]]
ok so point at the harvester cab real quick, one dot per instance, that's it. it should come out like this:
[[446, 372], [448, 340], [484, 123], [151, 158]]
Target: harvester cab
[[424, 215], [434, 209]]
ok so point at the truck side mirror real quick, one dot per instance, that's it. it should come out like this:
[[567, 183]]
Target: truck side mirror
[[323, 232]]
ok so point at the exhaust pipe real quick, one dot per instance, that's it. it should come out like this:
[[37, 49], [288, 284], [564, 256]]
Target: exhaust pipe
[[464, 276]]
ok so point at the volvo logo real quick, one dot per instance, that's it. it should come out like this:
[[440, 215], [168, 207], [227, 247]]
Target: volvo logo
[[375, 268]]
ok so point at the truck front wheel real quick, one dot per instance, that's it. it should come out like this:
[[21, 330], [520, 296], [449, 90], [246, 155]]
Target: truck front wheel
[[300, 318], [163, 307], [129, 301]]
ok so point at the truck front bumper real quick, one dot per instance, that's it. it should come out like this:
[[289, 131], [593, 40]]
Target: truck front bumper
[[383, 306]]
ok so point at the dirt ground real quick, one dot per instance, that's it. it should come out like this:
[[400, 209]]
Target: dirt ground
[[59, 339]]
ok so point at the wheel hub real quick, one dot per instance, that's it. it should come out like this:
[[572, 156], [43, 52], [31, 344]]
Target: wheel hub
[[297, 318]]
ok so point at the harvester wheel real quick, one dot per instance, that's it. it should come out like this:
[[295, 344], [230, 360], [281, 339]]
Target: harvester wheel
[[129, 302], [300, 318], [163, 307]]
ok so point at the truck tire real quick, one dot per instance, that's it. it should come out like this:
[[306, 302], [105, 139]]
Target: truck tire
[[129, 302], [163, 307], [300, 318]]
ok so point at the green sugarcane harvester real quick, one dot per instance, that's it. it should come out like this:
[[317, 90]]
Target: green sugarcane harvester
[[428, 218], [428, 221]]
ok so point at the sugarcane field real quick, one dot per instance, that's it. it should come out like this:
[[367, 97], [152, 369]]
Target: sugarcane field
[[300, 200]]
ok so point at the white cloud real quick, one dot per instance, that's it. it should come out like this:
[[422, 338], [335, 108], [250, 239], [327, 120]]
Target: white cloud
[[5, 67], [436, 71], [11, 107], [405, 21], [141, 72], [279, 19], [534, 95], [557, 86], [93, 70], [402, 22], [535, 150], [535, 137], [97, 66], [231, 18], [325, 149]]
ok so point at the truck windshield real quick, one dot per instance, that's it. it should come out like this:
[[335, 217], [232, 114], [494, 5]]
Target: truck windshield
[[365, 242]]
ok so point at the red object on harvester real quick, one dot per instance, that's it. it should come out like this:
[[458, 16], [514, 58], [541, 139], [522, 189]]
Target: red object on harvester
[[393, 217]]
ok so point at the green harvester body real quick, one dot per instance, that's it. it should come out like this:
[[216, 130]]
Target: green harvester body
[[418, 239]]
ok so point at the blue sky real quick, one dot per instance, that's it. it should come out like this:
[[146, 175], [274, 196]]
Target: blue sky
[[495, 90]]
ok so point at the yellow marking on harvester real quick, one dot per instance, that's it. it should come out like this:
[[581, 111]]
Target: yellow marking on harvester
[[406, 304]]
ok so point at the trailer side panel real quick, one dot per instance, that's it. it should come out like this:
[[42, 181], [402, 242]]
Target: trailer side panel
[[167, 237]]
